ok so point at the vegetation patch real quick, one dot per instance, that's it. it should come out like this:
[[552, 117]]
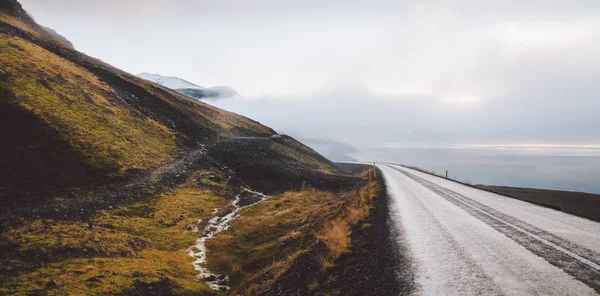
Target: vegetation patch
[[125, 250], [336, 233], [269, 237], [82, 107]]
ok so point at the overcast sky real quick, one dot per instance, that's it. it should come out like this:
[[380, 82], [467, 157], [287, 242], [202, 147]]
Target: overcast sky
[[366, 72]]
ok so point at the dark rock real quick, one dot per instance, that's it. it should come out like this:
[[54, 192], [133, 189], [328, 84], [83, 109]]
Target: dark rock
[[51, 284], [134, 173]]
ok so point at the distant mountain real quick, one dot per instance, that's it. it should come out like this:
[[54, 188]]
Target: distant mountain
[[189, 89], [169, 81]]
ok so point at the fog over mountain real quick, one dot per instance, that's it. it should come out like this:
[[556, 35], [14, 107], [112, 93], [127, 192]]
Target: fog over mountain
[[369, 73], [189, 89]]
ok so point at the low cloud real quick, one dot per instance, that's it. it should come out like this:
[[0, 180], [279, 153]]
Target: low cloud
[[366, 72]]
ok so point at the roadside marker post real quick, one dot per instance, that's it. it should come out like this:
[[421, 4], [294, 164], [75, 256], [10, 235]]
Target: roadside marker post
[[374, 170]]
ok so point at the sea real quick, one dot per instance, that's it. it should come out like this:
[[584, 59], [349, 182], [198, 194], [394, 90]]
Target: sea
[[558, 167]]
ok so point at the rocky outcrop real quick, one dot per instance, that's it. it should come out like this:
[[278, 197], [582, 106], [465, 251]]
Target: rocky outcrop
[[15, 9], [60, 38]]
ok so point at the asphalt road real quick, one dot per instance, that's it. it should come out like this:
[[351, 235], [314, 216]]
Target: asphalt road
[[466, 241]]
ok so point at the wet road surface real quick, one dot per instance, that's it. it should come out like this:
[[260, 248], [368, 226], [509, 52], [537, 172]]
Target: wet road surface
[[466, 241]]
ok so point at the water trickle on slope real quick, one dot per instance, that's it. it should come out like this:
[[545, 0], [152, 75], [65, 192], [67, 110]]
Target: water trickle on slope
[[218, 224]]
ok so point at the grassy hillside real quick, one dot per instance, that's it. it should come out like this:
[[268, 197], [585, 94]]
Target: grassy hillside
[[106, 177], [106, 125], [85, 110], [118, 251]]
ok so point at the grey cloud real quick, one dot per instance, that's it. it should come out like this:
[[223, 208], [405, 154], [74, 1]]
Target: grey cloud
[[366, 72]]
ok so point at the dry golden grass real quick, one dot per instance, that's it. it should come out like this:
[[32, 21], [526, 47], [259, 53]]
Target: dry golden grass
[[268, 233], [313, 286], [336, 233], [336, 236], [365, 226], [264, 242]]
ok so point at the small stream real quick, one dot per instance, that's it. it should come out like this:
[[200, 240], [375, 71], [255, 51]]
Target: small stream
[[217, 225]]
